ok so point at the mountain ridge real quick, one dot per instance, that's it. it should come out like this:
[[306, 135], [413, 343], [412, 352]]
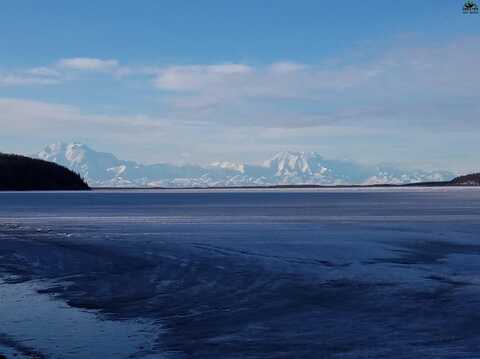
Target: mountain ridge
[[103, 169]]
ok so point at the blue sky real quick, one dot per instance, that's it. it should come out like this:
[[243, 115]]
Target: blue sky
[[184, 81]]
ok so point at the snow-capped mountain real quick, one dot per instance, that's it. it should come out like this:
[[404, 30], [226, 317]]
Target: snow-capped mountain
[[310, 167], [102, 169], [92, 165]]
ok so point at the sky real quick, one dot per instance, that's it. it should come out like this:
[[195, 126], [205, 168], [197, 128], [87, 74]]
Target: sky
[[200, 81]]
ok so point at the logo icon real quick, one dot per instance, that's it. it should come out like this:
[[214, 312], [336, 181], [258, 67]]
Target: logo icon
[[470, 7]]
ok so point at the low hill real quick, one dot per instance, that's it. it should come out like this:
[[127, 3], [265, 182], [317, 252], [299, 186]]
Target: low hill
[[467, 180], [20, 173]]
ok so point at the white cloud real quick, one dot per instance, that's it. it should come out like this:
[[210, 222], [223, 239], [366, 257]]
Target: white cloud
[[43, 72], [19, 117], [198, 77], [88, 64], [58, 72], [287, 67], [404, 86], [23, 79], [280, 80], [228, 69]]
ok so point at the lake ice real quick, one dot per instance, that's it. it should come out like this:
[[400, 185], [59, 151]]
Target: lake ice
[[241, 274]]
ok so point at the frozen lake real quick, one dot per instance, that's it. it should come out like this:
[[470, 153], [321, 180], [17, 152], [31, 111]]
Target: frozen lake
[[367, 273]]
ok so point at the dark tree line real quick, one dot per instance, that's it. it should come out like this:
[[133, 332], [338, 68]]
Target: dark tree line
[[20, 173], [471, 179]]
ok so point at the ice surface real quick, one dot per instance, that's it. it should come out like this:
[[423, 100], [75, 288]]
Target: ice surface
[[244, 274], [56, 330]]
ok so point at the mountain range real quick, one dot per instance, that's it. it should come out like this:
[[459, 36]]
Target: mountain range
[[102, 169]]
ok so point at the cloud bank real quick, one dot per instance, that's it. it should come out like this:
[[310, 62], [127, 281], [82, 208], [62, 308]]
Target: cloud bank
[[403, 94]]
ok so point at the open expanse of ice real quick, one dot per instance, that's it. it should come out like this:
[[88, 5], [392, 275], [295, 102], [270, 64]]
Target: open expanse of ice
[[348, 273]]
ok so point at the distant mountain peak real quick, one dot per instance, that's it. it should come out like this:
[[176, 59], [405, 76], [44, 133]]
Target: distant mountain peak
[[289, 162], [295, 154]]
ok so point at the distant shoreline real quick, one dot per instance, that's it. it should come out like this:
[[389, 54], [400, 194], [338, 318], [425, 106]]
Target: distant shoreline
[[435, 184]]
